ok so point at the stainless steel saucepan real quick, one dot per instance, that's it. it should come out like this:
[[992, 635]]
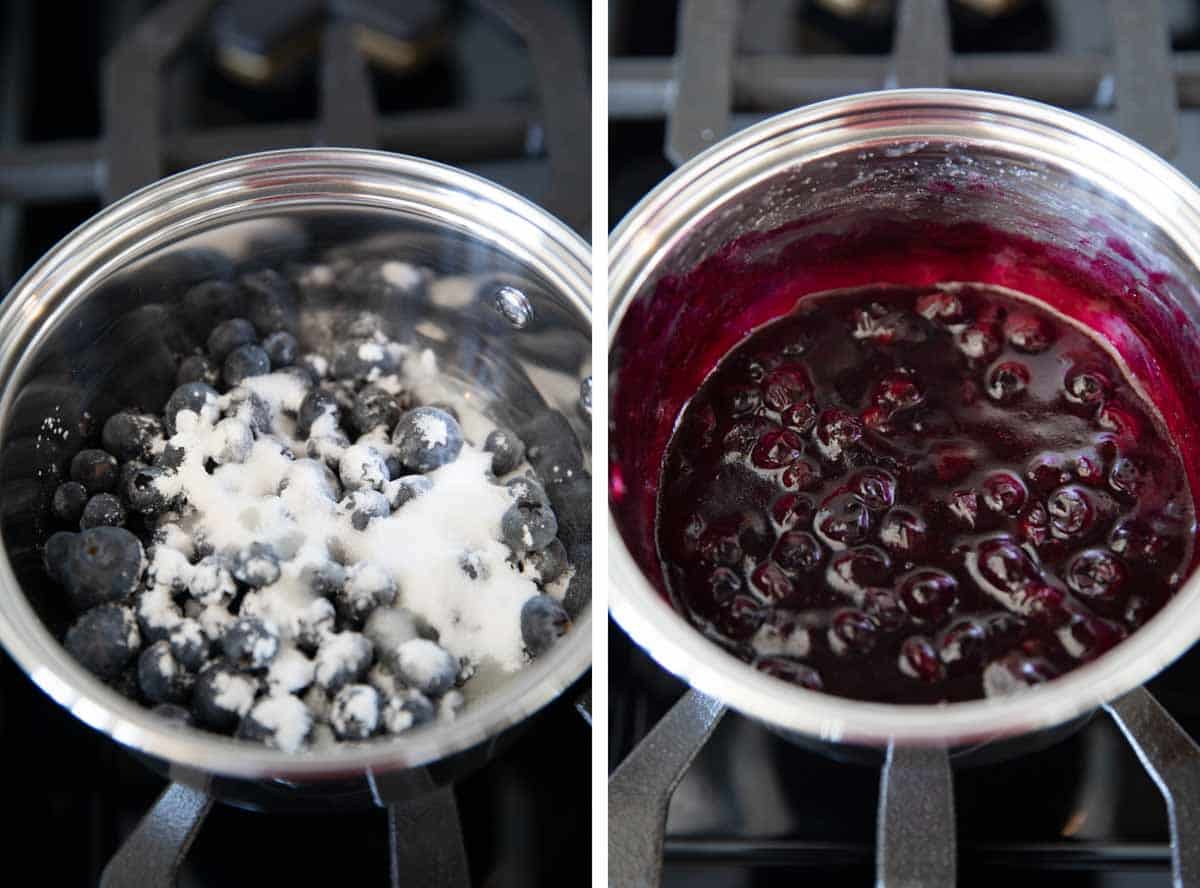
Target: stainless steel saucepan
[[905, 156], [100, 321]]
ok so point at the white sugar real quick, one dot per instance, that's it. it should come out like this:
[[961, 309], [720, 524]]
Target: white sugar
[[235, 693], [286, 717]]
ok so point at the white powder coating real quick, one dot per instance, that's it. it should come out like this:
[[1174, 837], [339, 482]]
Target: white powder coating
[[170, 568], [290, 671], [769, 641], [401, 274], [157, 610], [370, 351], [340, 653], [422, 661], [235, 693], [433, 430], [287, 718]]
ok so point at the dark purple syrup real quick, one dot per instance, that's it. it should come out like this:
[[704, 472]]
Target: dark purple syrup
[[920, 494]]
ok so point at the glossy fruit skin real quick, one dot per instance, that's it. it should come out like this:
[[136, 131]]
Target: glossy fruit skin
[[967, 489]]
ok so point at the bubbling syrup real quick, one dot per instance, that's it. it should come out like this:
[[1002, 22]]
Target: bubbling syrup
[[921, 494]]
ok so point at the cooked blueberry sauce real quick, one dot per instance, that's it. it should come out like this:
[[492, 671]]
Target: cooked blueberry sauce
[[921, 494]]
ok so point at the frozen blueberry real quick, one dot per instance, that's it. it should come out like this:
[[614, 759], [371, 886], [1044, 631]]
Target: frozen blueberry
[[363, 505], [543, 621], [507, 451], [426, 438], [272, 301], [233, 441], [390, 627], [528, 528], [250, 644], [314, 624], [360, 325], [280, 721], [325, 579], [103, 510], [411, 710], [405, 489], [141, 490], [248, 407], [69, 499], [282, 348], [229, 335], [471, 563], [426, 666], [130, 435], [161, 677], [359, 359], [212, 582], [222, 695], [374, 408], [342, 658], [189, 644], [105, 639], [197, 368], [97, 470], [174, 713], [257, 565], [363, 466], [55, 554], [244, 361], [170, 459], [367, 587], [316, 404], [189, 396], [549, 562], [527, 492], [354, 714], [316, 365]]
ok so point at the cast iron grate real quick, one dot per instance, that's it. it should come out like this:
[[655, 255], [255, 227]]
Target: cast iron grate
[[727, 65]]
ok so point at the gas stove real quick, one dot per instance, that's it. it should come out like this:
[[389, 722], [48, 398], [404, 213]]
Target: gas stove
[[753, 809], [108, 96]]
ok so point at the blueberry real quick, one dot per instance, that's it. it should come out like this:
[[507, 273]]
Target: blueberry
[[282, 348], [363, 467], [161, 678], [234, 441], [222, 695], [527, 493], [130, 435], [257, 565], [102, 510], [406, 489], [197, 368], [528, 528], [280, 721], [363, 505], [447, 408], [427, 438], [316, 365], [248, 407], [390, 627], [103, 564], [104, 640], [229, 335], [55, 554], [314, 625], [359, 359], [189, 644], [342, 658], [97, 470], [549, 562], [302, 375], [405, 712], [212, 582], [189, 396], [250, 644], [543, 621], [324, 579], [507, 451], [177, 715], [354, 714], [170, 459], [426, 666], [141, 490], [245, 361], [272, 301], [316, 404], [209, 301], [360, 325], [69, 499], [367, 587], [374, 408]]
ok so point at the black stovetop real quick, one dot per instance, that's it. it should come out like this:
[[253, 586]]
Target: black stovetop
[[525, 817], [753, 809]]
